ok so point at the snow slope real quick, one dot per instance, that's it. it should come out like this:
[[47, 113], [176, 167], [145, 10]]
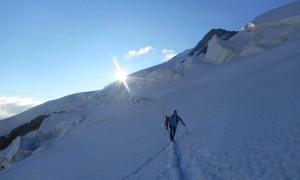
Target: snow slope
[[243, 117]]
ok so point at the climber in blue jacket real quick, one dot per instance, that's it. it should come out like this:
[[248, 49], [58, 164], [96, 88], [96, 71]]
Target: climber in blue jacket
[[173, 121]]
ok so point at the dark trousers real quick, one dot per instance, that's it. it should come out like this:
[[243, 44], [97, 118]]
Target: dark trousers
[[172, 132]]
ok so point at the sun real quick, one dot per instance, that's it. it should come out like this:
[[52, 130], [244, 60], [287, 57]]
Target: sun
[[121, 75]]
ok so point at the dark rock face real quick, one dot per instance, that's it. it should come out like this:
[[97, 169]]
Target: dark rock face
[[21, 130], [201, 47]]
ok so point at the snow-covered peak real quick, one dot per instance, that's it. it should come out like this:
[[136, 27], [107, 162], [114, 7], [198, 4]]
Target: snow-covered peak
[[201, 47], [265, 32], [278, 14]]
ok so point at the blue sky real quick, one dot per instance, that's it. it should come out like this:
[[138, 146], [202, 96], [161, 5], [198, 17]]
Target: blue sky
[[49, 49]]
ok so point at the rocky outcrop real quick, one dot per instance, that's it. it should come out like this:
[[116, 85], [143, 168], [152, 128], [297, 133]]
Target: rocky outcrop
[[201, 47], [21, 130]]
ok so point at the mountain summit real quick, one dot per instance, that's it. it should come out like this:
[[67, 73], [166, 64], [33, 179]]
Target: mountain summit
[[201, 47]]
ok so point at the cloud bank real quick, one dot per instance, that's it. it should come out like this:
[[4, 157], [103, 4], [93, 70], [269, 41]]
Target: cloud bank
[[137, 53], [168, 54], [10, 106]]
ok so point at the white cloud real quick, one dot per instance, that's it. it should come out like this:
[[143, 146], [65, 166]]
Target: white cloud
[[10, 106], [137, 53], [168, 54]]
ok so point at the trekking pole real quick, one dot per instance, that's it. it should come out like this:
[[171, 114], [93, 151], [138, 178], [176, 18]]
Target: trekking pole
[[187, 130]]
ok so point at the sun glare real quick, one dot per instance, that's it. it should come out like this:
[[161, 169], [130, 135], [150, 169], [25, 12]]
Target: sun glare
[[121, 74]]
